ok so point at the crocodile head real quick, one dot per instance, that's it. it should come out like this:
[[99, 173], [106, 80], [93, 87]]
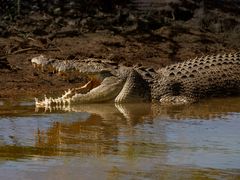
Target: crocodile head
[[107, 81]]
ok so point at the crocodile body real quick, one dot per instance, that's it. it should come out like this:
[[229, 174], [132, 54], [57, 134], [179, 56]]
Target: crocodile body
[[199, 78], [185, 82]]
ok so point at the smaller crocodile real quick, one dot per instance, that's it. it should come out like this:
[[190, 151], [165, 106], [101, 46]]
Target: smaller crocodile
[[180, 83]]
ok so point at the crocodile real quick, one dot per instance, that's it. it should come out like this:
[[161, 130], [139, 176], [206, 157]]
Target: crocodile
[[180, 83]]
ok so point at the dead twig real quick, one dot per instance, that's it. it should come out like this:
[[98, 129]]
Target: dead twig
[[32, 49], [65, 33]]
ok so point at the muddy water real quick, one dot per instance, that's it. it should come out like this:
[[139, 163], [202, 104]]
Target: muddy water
[[107, 141]]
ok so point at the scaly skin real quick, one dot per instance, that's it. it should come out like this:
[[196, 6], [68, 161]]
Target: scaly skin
[[180, 83], [199, 78]]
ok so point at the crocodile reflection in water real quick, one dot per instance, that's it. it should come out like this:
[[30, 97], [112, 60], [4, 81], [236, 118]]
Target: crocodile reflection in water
[[99, 133], [108, 122]]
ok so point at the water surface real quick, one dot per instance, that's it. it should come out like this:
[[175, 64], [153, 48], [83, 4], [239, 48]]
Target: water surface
[[109, 141]]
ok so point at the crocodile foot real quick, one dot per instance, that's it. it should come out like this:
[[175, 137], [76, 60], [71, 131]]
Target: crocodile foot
[[177, 100]]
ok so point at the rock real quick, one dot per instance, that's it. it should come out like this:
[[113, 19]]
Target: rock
[[183, 14], [59, 20], [57, 11]]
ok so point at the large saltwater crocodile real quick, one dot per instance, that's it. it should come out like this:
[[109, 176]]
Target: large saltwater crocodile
[[185, 82]]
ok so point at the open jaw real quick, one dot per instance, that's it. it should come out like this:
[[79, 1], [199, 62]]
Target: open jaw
[[103, 85]]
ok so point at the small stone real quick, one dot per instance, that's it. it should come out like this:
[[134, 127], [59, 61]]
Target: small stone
[[72, 12], [35, 8], [59, 20], [57, 11], [72, 4]]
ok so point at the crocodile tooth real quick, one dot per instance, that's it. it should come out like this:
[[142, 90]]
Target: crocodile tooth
[[50, 100], [69, 101], [36, 100]]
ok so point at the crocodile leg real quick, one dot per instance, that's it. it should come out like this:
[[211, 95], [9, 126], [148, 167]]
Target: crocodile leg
[[135, 89], [176, 100]]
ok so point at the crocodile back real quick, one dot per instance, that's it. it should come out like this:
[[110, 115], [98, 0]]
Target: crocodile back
[[206, 76]]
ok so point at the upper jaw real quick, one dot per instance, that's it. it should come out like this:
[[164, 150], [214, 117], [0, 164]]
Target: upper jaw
[[73, 68]]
